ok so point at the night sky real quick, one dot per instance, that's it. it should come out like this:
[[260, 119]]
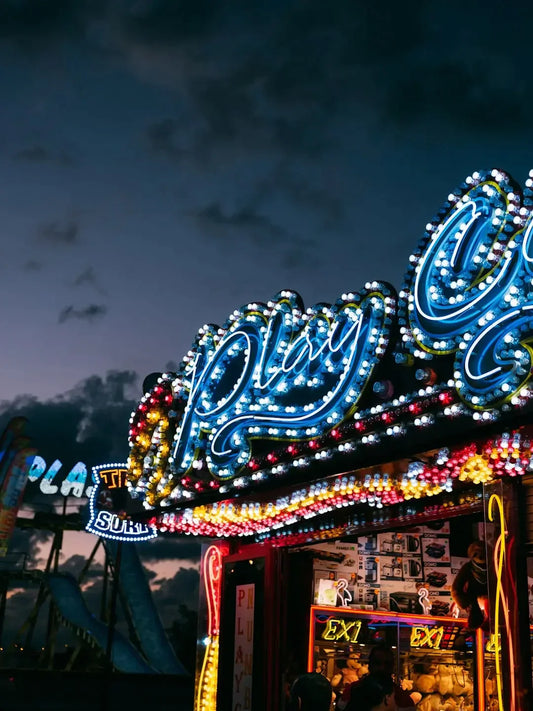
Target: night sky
[[164, 162]]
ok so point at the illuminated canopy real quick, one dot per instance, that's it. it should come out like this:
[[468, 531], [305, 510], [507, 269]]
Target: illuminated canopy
[[279, 396]]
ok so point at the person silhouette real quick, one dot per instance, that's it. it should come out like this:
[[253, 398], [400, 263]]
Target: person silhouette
[[375, 692], [311, 692], [380, 662]]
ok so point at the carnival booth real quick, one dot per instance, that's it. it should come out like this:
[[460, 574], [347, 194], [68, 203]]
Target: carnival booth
[[362, 474]]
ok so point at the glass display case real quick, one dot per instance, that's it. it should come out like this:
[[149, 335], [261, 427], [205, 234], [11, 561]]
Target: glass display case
[[436, 657]]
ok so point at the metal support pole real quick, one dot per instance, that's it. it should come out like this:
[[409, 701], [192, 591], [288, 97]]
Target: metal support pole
[[113, 607]]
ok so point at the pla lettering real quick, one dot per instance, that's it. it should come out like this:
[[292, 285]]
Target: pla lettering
[[72, 485]]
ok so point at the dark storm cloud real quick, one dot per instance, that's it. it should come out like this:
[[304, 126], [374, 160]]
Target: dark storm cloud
[[279, 74], [38, 535], [286, 76], [18, 609], [462, 95], [32, 265], [182, 589], [33, 21], [149, 574], [56, 233], [162, 137], [25, 546], [258, 228], [76, 565], [297, 191], [88, 423], [88, 278], [169, 21], [278, 77], [34, 154], [247, 225], [170, 548], [40, 154], [88, 313]]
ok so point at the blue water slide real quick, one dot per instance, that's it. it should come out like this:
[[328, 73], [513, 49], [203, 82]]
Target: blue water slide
[[135, 588], [68, 599]]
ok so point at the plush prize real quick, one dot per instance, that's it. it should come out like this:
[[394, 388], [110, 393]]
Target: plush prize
[[425, 683], [444, 680], [470, 584], [351, 672]]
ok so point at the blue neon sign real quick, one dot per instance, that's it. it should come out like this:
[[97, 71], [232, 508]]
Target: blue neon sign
[[279, 373], [276, 372], [470, 291]]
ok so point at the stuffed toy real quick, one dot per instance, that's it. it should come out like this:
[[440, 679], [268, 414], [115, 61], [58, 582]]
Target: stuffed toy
[[352, 671], [450, 704], [462, 683], [425, 683], [444, 680], [433, 702], [470, 584]]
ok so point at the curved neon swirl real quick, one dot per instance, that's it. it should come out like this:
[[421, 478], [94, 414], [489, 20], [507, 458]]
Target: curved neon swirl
[[276, 372], [281, 376], [467, 229], [207, 681], [498, 361], [500, 602], [273, 372], [471, 290]]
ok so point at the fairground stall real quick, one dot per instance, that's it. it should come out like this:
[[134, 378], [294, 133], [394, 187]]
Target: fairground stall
[[363, 473]]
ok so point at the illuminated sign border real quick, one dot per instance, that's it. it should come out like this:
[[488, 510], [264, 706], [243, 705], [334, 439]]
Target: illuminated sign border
[[510, 454], [108, 524], [273, 372], [468, 294]]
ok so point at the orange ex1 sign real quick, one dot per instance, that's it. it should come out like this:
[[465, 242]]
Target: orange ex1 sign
[[423, 636]]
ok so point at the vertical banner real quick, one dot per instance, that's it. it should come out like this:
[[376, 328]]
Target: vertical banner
[[9, 444], [11, 494], [244, 647]]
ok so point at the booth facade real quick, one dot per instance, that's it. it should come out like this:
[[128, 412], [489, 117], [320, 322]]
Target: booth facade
[[362, 472]]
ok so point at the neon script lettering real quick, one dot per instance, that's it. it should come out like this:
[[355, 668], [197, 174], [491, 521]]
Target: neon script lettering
[[470, 292], [276, 372], [279, 373]]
